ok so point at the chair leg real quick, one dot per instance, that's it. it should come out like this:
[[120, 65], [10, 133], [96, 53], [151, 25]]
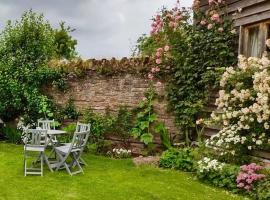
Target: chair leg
[[25, 163], [41, 163]]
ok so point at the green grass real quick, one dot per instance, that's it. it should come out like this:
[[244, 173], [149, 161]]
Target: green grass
[[104, 178]]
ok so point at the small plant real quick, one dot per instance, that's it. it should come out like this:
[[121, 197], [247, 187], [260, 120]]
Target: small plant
[[145, 118], [12, 134], [70, 129], [120, 153], [100, 123], [180, 159], [164, 135], [123, 123], [69, 111], [248, 176]]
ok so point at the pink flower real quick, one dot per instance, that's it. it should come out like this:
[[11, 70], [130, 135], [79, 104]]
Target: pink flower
[[215, 17], [210, 26], [153, 70], [240, 185], [159, 83], [157, 69], [150, 76], [158, 54], [211, 1], [171, 24], [178, 17], [158, 61], [167, 48], [203, 22], [160, 50], [220, 29]]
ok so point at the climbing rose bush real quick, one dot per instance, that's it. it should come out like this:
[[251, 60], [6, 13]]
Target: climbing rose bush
[[191, 49], [243, 107]]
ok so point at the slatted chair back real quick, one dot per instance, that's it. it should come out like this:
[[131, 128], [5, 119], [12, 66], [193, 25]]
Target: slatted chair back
[[79, 141], [35, 137], [46, 124], [82, 127]]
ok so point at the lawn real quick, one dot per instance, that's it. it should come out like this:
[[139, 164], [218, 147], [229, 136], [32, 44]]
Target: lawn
[[104, 178]]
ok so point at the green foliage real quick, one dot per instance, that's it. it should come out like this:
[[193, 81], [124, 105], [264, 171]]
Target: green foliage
[[261, 191], [100, 147], [100, 123], [145, 46], [164, 135], [69, 111], [145, 118], [11, 134], [26, 47], [180, 159], [123, 123], [65, 44]]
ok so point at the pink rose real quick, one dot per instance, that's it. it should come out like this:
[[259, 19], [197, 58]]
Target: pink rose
[[203, 22], [215, 17], [171, 24], [150, 76], [210, 26], [157, 69], [211, 1], [159, 83], [160, 50], [158, 54], [166, 48], [158, 61], [153, 70]]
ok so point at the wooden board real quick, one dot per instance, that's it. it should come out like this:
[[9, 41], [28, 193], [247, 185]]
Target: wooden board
[[252, 10]]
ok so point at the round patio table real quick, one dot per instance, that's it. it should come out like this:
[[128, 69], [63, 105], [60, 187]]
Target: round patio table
[[52, 134], [56, 132]]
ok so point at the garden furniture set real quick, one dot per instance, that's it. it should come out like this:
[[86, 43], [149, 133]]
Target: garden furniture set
[[66, 155]]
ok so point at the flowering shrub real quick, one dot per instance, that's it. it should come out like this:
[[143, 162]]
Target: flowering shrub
[[189, 55], [244, 102], [206, 164], [248, 176], [120, 153], [217, 173]]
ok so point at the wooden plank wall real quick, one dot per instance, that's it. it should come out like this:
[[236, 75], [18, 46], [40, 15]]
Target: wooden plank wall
[[252, 11]]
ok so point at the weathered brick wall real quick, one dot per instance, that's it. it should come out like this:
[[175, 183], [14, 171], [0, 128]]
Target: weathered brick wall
[[101, 92]]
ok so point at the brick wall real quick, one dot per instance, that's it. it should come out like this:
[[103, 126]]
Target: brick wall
[[102, 91]]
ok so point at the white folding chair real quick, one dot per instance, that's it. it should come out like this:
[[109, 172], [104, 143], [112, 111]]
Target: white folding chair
[[81, 127], [34, 143], [47, 125], [74, 151]]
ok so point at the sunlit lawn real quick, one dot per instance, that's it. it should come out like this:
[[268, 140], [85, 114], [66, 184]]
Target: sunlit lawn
[[104, 178]]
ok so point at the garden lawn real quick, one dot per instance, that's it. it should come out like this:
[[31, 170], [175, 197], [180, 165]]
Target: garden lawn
[[104, 179]]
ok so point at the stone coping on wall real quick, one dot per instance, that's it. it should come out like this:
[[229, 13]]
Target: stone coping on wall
[[132, 65]]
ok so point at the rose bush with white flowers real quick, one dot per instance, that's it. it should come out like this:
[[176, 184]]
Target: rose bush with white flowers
[[244, 102]]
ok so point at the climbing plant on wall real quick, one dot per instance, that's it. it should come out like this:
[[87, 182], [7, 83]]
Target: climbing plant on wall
[[191, 54]]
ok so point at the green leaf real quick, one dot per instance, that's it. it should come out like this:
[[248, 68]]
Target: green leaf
[[147, 138]]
